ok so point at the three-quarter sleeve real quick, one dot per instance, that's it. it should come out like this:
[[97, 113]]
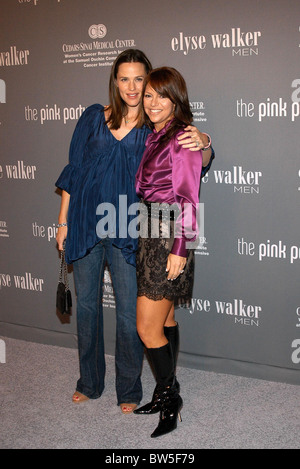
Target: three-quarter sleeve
[[206, 168], [84, 128], [186, 176]]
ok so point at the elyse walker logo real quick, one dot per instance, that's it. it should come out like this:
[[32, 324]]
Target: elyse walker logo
[[14, 57], [20, 170], [242, 313], [244, 182], [22, 282], [240, 43]]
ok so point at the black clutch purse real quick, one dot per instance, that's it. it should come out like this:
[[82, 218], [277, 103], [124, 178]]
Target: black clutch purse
[[63, 293]]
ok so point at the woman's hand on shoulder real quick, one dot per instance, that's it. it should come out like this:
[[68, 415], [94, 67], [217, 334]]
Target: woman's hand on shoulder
[[192, 138]]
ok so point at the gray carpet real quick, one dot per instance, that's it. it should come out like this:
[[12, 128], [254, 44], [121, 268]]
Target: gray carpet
[[220, 411]]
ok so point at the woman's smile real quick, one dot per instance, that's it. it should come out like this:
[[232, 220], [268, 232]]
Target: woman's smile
[[158, 108]]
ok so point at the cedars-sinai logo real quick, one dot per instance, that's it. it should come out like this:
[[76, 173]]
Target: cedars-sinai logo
[[97, 31]]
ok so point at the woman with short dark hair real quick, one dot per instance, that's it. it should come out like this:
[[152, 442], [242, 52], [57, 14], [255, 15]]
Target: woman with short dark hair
[[168, 182]]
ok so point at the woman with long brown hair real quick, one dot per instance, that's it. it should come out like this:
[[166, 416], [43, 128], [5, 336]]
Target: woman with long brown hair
[[168, 179], [105, 151]]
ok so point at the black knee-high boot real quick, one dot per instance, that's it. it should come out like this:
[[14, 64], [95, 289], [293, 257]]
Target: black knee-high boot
[[152, 407], [170, 400], [172, 334]]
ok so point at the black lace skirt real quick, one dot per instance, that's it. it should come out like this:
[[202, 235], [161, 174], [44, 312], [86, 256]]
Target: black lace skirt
[[154, 246]]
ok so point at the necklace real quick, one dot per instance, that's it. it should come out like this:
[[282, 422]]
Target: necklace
[[128, 121]]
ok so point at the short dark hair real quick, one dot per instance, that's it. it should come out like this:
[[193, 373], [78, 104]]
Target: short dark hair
[[168, 82]]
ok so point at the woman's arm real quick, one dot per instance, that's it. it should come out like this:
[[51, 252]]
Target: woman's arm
[[196, 140], [62, 218], [186, 177]]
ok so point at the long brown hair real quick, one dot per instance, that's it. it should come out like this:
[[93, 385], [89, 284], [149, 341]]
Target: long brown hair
[[117, 107], [168, 82]]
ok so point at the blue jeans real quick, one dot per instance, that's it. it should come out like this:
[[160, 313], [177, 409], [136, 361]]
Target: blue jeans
[[88, 276]]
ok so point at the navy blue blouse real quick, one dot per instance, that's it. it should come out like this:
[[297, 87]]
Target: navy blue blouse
[[100, 169]]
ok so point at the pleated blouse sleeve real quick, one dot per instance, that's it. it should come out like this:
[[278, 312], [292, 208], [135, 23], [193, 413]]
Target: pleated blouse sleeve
[[85, 127], [186, 176]]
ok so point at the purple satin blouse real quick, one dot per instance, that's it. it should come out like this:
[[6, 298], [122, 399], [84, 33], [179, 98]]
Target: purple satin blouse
[[171, 174]]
